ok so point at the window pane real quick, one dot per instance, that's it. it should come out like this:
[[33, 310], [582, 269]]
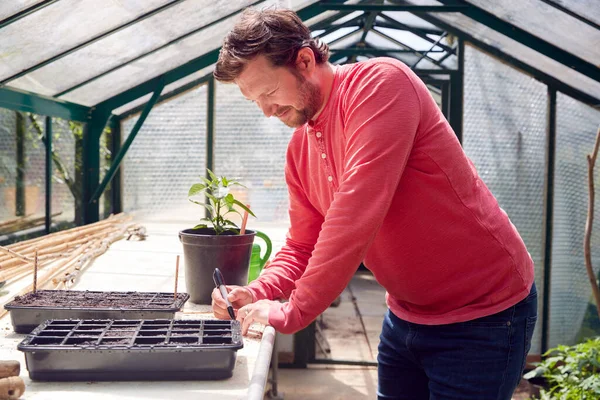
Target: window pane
[[550, 24], [505, 137], [126, 45], [62, 26], [573, 315]]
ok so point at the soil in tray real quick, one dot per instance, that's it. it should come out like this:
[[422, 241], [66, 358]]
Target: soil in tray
[[119, 333], [50, 298]]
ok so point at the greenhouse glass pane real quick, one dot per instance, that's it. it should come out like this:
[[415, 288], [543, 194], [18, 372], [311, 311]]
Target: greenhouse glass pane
[[10, 8], [573, 315], [349, 41], [67, 143], [412, 20], [252, 147], [549, 24], [586, 8], [505, 136], [155, 187], [522, 53], [126, 45], [168, 89], [62, 26], [335, 35], [22, 172], [156, 63], [320, 17]]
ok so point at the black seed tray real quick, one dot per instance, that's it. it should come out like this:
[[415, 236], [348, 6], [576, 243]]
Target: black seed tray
[[128, 350], [92, 305]]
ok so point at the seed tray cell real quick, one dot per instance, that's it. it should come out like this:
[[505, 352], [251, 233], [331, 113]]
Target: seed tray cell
[[111, 353], [33, 308]]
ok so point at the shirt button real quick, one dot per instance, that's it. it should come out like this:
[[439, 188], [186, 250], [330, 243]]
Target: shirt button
[[323, 155], [330, 178], [319, 134]]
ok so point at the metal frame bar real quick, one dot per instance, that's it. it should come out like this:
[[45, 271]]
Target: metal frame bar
[[549, 220], [446, 99], [372, 50], [391, 39], [116, 163], [91, 163], [90, 41], [330, 20], [49, 145], [358, 22], [366, 28], [20, 173], [420, 32], [117, 198], [23, 13], [388, 22], [166, 96], [443, 35], [210, 129], [20, 100], [393, 7], [520, 65], [532, 41], [457, 93], [150, 85], [170, 43]]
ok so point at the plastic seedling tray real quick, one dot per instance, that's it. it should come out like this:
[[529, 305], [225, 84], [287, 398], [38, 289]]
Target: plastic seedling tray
[[33, 308], [111, 350]]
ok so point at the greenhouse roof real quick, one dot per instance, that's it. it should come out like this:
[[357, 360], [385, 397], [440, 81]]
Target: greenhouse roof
[[66, 58]]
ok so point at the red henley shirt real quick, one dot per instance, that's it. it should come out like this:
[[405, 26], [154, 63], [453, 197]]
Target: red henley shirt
[[381, 178]]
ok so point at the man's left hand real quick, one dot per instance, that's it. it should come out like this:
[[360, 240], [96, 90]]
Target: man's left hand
[[254, 312]]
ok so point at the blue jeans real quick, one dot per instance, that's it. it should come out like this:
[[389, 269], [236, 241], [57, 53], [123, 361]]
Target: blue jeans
[[480, 359]]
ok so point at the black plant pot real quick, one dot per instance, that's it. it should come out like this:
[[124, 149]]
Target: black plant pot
[[203, 251]]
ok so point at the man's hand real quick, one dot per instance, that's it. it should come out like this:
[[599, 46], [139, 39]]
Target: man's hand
[[254, 312], [238, 296]]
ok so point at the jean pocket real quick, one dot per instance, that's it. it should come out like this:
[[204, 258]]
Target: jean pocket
[[529, 328], [498, 320]]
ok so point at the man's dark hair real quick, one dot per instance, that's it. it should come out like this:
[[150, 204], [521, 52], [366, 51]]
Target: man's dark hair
[[276, 34]]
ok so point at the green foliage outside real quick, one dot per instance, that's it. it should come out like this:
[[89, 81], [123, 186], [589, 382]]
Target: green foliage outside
[[220, 202], [572, 372], [61, 172]]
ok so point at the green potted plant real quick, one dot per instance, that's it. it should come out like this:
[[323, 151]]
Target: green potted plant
[[570, 372], [216, 242]]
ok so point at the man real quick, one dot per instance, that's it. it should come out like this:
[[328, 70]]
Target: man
[[375, 173]]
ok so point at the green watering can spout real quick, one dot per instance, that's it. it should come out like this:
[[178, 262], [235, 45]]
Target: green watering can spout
[[256, 261]]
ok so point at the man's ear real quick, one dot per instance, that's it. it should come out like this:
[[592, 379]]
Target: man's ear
[[305, 61]]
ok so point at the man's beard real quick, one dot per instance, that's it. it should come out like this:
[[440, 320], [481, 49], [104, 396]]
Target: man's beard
[[311, 98]]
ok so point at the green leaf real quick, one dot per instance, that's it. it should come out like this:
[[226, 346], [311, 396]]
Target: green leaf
[[224, 180], [213, 198], [239, 203], [230, 223], [200, 226], [195, 189], [212, 175], [229, 200]]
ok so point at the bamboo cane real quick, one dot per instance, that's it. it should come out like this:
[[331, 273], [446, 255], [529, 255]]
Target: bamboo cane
[[60, 240], [71, 273], [12, 221], [50, 252], [14, 254], [79, 230], [176, 276], [35, 267]]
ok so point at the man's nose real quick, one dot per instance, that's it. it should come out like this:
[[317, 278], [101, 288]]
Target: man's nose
[[267, 108]]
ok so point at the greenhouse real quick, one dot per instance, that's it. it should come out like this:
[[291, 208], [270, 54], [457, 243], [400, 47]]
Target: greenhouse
[[109, 109]]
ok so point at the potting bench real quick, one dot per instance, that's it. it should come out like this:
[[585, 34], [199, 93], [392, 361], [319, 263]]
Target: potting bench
[[150, 266]]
